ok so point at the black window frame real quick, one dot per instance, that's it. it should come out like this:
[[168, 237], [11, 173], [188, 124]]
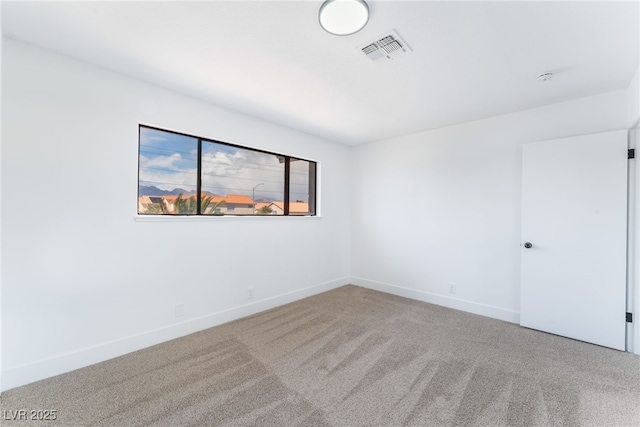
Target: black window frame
[[313, 177]]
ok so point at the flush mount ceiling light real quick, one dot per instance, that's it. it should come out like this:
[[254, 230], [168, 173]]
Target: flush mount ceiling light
[[544, 77], [343, 17]]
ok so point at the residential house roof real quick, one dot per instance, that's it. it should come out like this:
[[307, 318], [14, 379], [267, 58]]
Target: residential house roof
[[294, 207], [298, 207], [233, 199], [144, 200]]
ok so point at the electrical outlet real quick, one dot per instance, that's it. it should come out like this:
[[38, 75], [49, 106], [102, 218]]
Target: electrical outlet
[[179, 310], [452, 288], [250, 293]]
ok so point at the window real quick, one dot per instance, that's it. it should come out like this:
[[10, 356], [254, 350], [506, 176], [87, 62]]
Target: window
[[186, 175]]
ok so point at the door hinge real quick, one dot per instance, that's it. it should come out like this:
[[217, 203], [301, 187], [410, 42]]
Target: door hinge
[[631, 153], [629, 318]]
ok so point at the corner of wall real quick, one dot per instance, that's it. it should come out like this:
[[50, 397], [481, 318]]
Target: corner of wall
[[473, 307], [78, 97]]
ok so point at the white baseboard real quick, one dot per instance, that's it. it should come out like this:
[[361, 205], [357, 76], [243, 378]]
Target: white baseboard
[[443, 300], [41, 369]]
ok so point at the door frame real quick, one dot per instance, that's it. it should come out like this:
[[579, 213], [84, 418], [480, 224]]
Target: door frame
[[633, 244]]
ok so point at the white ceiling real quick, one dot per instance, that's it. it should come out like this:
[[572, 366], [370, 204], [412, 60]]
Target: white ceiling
[[272, 60]]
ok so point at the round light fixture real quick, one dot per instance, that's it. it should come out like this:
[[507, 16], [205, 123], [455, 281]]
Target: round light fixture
[[544, 77], [343, 17]]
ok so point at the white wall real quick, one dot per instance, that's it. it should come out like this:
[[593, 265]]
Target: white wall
[[1, 209], [82, 280], [633, 100], [443, 207]]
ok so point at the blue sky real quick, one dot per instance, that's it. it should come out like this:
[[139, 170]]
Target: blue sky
[[169, 161]]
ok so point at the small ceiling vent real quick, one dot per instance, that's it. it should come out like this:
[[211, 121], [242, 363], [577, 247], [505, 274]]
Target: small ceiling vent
[[387, 46]]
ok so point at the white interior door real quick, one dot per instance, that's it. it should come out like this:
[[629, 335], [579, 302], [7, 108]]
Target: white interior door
[[574, 215]]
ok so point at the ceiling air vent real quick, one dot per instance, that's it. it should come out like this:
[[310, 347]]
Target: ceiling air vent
[[387, 46]]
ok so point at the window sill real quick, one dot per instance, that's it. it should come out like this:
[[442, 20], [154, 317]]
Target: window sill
[[207, 218]]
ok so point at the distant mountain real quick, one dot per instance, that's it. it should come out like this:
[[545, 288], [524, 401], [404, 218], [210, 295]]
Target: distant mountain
[[155, 191]]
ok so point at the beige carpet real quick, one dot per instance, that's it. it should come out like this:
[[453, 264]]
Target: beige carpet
[[349, 357]]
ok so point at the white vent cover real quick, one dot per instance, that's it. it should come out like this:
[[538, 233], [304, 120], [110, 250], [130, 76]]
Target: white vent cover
[[387, 46]]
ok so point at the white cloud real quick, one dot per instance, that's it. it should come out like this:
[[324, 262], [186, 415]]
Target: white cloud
[[165, 173], [239, 172], [224, 173]]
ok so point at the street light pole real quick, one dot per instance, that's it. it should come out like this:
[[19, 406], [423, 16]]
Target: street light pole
[[253, 196]]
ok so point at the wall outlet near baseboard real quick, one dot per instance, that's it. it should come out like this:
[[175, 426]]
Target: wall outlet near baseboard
[[452, 288], [250, 294], [179, 310]]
